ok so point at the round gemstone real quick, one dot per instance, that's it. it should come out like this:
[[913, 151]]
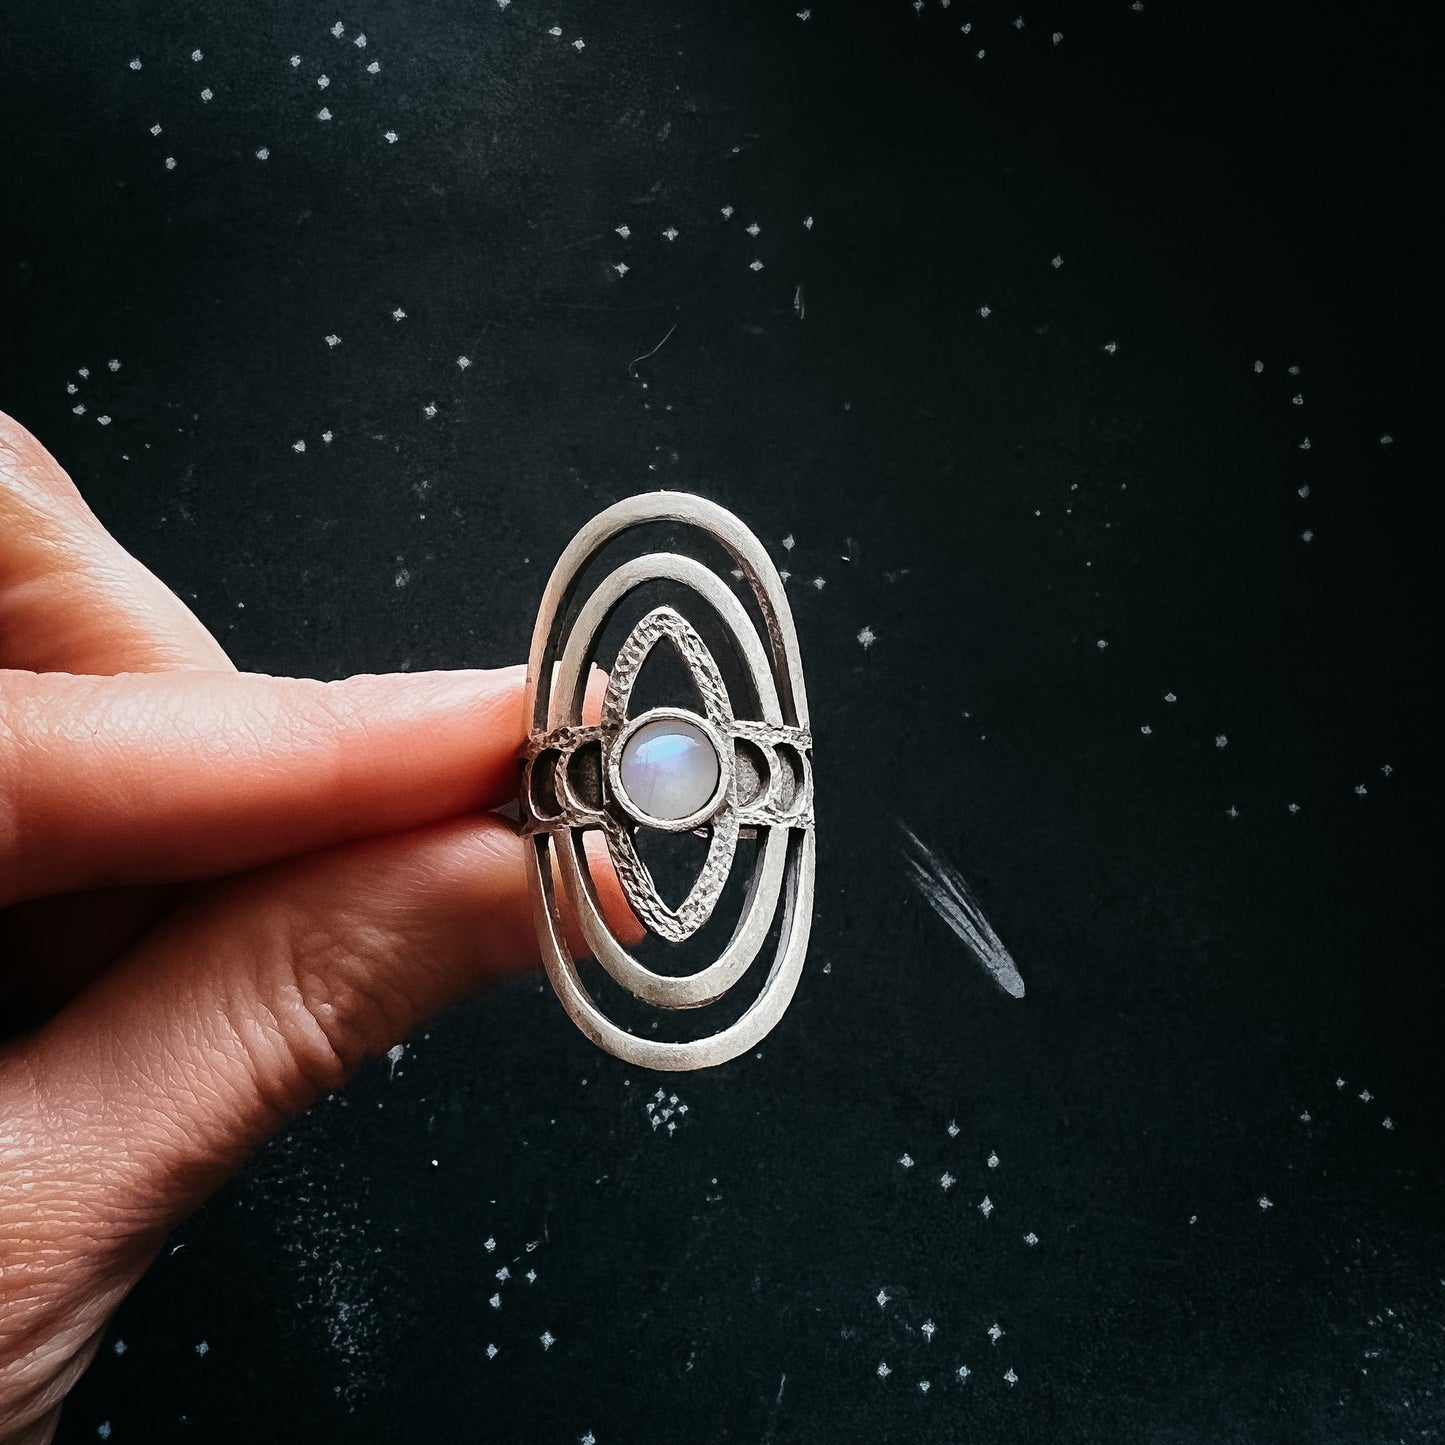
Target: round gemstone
[[670, 769]]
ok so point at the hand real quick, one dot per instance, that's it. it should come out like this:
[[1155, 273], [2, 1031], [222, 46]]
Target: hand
[[230, 889]]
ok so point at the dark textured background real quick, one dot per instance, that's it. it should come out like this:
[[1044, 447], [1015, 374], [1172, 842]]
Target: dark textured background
[[1204, 967]]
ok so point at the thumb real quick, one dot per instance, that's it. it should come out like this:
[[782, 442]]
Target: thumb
[[265, 991]]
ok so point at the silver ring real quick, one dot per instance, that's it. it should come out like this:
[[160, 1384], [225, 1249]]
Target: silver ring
[[575, 778]]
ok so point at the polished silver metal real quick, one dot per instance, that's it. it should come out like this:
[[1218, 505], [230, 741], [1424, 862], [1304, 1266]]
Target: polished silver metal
[[571, 781]]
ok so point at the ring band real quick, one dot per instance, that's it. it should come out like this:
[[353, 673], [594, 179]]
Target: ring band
[[672, 769]]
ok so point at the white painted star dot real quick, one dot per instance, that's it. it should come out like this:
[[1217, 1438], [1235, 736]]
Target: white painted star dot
[[322, 81], [295, 61], [398, 314], [1387, 1122], [135, 64], [624, 231], [727, 213], [430, 409], [491, 1352], [1220, 741], [1010, 1378], [389, 137], [360, 42], [579, 44], [752, 228], [964, 1372], [995, 1333], [985, 1207], [489, 1244], [906, 1160], [156, 128], [196, 55], [952, 1129], [928, 1328], [1294, 807], [882, 1297], [103, 420], [263, 153], [621, 267], [495, 1301], [170, 163], [1304, 446], [374, 68], [298, 445], [1386, 440], [985, 311], [548, 1339], [671, 233], [1031, 1238], [807, 223], [755, 265], [1265, 1202], [883, 1370], [1365, 1096], [1111, 347], [463, 362], [323, 114], [338, 30], [326, 436], [867, 637], [333, 340], [923, 1387], [947, 1181]]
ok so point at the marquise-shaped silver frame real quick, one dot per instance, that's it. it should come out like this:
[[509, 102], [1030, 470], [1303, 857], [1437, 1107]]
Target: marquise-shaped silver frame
[[572, 783]]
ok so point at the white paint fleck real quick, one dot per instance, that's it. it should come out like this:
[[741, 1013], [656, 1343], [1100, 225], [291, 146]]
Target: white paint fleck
[[923, 1387], [1111, 347], [79, 410], [1057, 262], [555, 31], [504, 1274], [170, 163], [1058, 37], [326, 436], [360, 42], [963, 1373], [156, 128], [1365, 1096], [985, 311], [1387, 1122], [1339, 1083], [985, 1207], [820, 583], [1294, 807], [196, 55], [992, 1160], [394, 1055], [1031, 1238], [202, 1348], [103, 420], [1102, 642], [135, 64], [579, 44], [298, 445], [952, 1130], [755, 265], [624, 232], [995, 1333], [207, 94], [390, 137], [807, 223], [671, 233], [1298, 399], [333, 340], [463, 362], [882, 1297], [119, 1347], [489, 1244], [398, 314], [548, 1339], [752, 228], [928, 1328], [264, 153], [430, 409], [867, 637], [804, 15], [789, 542], [947, 1181], [338, 30], [1265, 1202], [1010, 1378], [906, 1160], [727, 213], [1307, 535], [1304, 446], [374, 68], [322, 81], [883, 1370], [323, 114], [495, 1301], [491, 1352], [1147, 730], [1387, 440], [295, 61], [953, 900]]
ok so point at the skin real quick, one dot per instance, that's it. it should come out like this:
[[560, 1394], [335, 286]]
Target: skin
[[228, 890]]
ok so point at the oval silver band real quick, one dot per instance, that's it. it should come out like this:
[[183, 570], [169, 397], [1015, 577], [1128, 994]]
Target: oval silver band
[[780, 806]]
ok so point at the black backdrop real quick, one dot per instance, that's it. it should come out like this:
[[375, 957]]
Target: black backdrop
[[1053, 514]]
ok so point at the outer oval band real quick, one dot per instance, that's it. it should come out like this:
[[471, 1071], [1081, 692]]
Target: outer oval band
[[571, 780]]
